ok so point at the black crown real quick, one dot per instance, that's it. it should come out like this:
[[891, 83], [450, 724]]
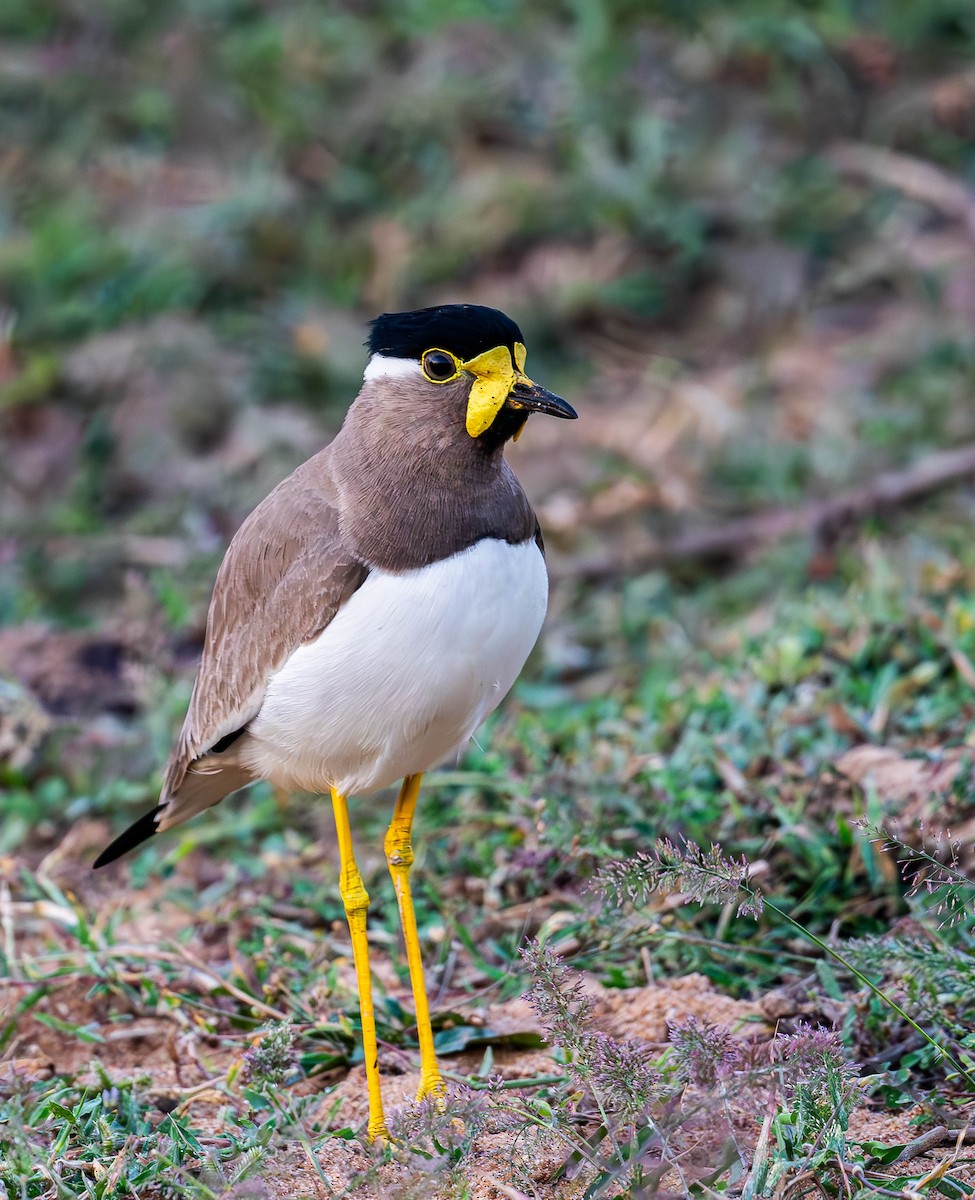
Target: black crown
[[464, 329]]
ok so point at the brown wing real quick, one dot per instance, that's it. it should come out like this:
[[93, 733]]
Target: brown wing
[[284, 577]]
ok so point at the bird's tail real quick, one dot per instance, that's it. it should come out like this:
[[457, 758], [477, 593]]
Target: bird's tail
[[205, 784]]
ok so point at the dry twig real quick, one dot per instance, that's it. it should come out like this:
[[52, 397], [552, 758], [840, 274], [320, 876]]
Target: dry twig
[[822, 518], [914, 177]]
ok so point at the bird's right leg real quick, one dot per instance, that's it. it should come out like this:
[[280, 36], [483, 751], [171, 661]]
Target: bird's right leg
[[399, 857], [356, 901]]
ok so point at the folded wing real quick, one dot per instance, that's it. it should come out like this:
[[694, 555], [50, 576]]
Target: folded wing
[[286, 574]]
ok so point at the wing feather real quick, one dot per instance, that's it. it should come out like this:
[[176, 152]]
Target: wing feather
[[284, 577]]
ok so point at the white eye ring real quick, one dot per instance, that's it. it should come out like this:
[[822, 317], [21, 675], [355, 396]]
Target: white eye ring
[[435, 362]]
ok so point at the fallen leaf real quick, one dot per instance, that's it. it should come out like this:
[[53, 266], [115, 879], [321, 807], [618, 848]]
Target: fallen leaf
[[895, 777]]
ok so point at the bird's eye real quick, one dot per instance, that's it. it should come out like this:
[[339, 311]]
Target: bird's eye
[[439, 366]]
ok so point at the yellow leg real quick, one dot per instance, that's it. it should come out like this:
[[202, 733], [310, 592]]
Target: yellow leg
[[356, 901], [399, 856]]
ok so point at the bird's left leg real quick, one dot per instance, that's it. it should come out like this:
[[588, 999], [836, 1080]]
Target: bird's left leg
[[356, 901], [399, 857]]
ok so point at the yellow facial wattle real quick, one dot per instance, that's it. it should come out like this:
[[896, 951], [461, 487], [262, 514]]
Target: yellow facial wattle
[[494, 377]]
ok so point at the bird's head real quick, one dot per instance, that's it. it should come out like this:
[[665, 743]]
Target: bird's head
[[463, 354]]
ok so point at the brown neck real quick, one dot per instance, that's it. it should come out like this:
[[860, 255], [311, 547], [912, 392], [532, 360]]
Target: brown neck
[[413, 487]]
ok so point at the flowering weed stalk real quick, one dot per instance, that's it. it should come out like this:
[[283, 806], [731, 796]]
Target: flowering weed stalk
[[708, 876], [934, 872], [619, 1077]]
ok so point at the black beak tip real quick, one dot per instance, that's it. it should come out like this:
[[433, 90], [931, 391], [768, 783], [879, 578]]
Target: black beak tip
[[541, 400], [555, 406]]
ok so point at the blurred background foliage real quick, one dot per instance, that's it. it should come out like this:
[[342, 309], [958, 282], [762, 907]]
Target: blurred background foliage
[[740, 237], [205, 201]]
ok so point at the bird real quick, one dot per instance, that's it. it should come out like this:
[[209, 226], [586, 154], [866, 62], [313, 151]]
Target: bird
[[372, 611]]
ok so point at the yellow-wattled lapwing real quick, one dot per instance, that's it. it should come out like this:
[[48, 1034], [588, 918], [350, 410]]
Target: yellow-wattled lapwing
[[374, 609]]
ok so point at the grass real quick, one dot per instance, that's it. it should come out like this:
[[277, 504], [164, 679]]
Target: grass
[[742, 743], [199, 206]]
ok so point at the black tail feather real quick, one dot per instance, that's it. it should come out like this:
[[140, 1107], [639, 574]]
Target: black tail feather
[[141, 831]]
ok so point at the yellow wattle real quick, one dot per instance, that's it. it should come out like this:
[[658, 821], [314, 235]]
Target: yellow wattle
[[494, 377]]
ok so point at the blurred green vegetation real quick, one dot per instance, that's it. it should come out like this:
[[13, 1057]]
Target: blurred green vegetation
[[629, 180], [739, 236]]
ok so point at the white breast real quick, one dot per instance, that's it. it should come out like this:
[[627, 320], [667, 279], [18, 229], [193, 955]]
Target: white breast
[[406, 671]]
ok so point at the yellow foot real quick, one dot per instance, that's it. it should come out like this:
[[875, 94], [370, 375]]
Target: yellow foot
[[432, 1087], [377, 1134]]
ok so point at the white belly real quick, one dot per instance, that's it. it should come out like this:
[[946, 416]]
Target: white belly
[[406, 671]]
